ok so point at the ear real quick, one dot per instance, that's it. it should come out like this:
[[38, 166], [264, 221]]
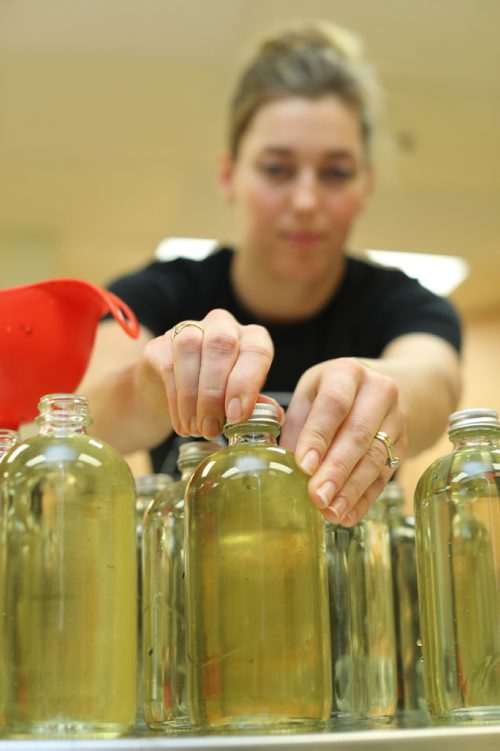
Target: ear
[[226, 175]]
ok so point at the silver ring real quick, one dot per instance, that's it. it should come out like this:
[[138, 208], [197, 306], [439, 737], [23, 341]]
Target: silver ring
[[392, 459], [182, 325]]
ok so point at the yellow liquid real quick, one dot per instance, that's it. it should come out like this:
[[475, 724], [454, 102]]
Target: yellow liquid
[[458, 544], [71, 609], [362, 621], [258, 651], [163, 627]]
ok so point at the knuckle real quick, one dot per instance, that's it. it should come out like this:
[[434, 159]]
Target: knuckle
[[222, 344], [361, 434], [334, 403]]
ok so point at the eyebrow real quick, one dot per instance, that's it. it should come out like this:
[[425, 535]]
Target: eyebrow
[[284, 151]]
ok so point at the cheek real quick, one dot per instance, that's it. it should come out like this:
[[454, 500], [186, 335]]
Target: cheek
[[344, 207]]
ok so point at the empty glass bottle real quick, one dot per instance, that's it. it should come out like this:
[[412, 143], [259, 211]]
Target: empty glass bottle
[[258, 648], [362, 619], [404, 576], [163, 620], [70, 580], [457, 510]]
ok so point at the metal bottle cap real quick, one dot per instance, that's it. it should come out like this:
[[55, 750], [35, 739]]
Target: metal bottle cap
[[467, 418]]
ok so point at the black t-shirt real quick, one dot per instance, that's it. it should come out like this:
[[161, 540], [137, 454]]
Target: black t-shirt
[[372, 306]]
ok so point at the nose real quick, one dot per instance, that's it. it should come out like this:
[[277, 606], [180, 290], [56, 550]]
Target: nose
[[305, 192]]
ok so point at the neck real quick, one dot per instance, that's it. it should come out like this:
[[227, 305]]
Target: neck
[[274, 299]]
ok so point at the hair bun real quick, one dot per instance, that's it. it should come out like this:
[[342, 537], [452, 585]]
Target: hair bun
[[314, 34]]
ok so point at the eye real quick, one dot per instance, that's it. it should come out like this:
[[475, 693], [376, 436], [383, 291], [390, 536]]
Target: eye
[[337, 174], [276, 170]]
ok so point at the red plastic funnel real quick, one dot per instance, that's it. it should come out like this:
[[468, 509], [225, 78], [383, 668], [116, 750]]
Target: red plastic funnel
[[47, 333]]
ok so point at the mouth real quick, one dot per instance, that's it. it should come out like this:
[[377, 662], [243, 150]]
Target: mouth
[[303, 239]]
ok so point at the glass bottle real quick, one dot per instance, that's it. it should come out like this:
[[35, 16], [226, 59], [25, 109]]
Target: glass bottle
[[364, 673], [70, 581], [404, 578], [457, 511], [147, 487], [258, 651], [163, 621], [8, 439]]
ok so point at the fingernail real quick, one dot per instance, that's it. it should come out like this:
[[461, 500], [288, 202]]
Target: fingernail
[[326, 493], [210, 427], [233, 412], [338, 507], [310, 462], [349, 519]]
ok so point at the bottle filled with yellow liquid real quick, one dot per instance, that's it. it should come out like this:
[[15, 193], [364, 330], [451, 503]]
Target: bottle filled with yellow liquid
[[163, 610], [364, 668], [8, 439], [258, 647], [457, 510], [404, 577], [70, 581]]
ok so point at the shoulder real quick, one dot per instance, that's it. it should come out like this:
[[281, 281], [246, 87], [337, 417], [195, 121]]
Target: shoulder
[[394, 303]]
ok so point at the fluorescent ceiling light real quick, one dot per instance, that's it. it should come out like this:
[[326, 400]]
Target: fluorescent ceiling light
[[441, 274], [184, 247]]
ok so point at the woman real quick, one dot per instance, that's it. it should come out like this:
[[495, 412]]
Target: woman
[[371, 358]]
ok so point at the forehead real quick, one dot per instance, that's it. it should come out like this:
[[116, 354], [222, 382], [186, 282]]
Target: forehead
[[318, 126]]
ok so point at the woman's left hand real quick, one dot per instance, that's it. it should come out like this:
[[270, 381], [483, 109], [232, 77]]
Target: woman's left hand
[[336, 411]]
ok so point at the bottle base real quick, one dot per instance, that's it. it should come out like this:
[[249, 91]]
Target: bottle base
[[65, 729], [483, 715], [263, 724]]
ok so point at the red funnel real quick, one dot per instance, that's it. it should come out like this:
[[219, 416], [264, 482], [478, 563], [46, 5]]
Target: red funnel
[[47, 332]]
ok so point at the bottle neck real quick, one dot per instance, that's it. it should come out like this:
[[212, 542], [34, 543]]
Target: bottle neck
[[264, 432], [63, 414], [8, 439], [186, 468], [487, 437]]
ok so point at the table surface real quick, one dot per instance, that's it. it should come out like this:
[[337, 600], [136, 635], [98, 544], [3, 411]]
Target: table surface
[[408, 734]]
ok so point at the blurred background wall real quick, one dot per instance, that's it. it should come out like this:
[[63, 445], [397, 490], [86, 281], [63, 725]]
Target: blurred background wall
[[112, 116]]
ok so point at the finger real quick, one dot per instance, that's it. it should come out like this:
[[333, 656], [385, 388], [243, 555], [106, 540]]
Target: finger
[[158, 356], [182, 384], [221, 350], [321, 403], [354, 461], [250, 370]]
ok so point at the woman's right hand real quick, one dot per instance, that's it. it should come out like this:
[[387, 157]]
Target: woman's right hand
[[203, 377]]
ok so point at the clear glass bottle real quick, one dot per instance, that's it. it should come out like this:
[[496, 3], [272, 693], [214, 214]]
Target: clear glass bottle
[[364, 673], [404, 576], [163, 621], [147, 488], [258, 649], [457, 511], [8, 439], [70, 581]]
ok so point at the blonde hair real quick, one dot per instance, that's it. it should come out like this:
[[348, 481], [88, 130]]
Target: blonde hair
[[311, 60]]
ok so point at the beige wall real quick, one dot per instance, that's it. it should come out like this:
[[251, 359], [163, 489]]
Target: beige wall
[[481, 374]]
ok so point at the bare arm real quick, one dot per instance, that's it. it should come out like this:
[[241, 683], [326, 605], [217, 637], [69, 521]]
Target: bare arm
[[120, 413]]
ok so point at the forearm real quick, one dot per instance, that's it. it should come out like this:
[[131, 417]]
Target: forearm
[[119, 411], [121, 417], [426, 370]]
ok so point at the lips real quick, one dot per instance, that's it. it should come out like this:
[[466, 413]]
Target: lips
[[303, 238]]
